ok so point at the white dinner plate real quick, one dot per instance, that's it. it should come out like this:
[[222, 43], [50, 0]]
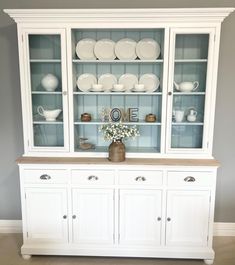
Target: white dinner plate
[[129, 81], [150, 81], [85, 49], [85, 82], [148, 49], [104, 49], [107, 80], [125, 49]]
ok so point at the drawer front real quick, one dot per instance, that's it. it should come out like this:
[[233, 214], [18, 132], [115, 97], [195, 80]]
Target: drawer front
[[139, 177], [190, 178], [45, 176], [93, 177]]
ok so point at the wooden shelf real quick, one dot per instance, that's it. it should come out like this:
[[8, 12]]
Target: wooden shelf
[[45, 60], [46, 93], [190, 60], [118, 93], [97, 122], [117, 61], [189, 93], [187, 123]]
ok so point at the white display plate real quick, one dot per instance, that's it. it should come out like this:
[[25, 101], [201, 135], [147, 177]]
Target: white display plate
[[85, 82], [129, 81], [125, 49], [85, 49], [107, 80], [104, 49], [148, 49], [150, 81]]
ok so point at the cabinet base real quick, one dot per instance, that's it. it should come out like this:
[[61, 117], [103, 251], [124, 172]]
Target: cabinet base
[[206, 254], [26, 257], [208, 261]]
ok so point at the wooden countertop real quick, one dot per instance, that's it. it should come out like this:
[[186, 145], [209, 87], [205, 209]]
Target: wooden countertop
[[128, 161]]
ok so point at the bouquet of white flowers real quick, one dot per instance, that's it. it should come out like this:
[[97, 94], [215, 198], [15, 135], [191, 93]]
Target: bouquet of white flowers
[[118, 131]]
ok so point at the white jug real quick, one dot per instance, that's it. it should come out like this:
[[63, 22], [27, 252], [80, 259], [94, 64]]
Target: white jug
[[192, 116], [178, 115]]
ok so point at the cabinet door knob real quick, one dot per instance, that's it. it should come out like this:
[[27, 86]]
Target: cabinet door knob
[[159, 218], [45, 176], [74, 216], [140, 178], [65, 216], [168, 219], [189, 179], [92, 178], [64, 93], [169, 93]]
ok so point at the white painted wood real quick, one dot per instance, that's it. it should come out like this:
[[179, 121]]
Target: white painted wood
[[93, 212], [187, 218], [208, 261], [140, 177], [10, 226], [46, 215], [93, 177], [140, 217], [224, 229]]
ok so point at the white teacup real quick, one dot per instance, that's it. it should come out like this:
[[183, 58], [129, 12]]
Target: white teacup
[[49, 115], [178, 115]]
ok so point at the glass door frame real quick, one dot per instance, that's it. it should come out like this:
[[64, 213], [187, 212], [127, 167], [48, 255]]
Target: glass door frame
[[27, 91], [208, 110]]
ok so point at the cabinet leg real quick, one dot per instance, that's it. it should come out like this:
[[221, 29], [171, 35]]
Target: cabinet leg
[[208, 261], [26, 257]]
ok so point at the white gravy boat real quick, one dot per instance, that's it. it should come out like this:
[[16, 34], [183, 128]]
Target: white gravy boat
[[49, 115], [186, 86]]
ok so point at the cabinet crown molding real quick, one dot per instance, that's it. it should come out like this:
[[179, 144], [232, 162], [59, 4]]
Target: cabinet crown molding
[[166, 15]]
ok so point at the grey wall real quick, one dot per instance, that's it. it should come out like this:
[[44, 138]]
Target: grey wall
[[11, 143]]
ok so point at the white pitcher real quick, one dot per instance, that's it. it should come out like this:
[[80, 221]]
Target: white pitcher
[[192, 116], [178, 115], [49, 115], [186, 86]]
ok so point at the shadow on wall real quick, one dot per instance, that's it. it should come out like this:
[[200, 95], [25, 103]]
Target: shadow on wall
[[11, 139]]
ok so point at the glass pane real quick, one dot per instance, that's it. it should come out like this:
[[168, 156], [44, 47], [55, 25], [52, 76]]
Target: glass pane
[[51, 135], [44, 46], [46, 87], [186, 136], [189, 90]]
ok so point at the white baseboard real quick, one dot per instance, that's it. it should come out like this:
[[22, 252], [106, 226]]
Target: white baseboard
[[10, 226], [224, 229], [15, 226]]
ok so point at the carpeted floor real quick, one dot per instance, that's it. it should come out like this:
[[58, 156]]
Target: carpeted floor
[[10, 255]]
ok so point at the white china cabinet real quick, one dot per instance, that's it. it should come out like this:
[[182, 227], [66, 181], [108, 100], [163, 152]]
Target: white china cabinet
[[160, 201]]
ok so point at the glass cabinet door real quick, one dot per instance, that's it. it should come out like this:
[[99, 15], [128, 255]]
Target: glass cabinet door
[[188, 90], [48, 89]]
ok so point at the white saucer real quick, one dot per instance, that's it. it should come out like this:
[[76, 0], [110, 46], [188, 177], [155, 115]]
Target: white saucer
[[118, 90], [104, 49], [125, 49], [138, 90]]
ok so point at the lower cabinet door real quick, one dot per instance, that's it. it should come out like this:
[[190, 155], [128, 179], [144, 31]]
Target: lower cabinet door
[[140, 217], [93, 216], [187, 218], [46, 215]]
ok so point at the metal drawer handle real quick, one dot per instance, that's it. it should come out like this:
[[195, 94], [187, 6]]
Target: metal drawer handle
[[140, 178], [45, 176], [189, 179], [92, 178]]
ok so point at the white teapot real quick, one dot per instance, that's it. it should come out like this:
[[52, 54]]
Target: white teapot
[[192, 116], [49, 115], [186, 86]]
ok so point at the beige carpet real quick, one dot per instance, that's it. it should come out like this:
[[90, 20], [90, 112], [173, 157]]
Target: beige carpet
[[10, 249]]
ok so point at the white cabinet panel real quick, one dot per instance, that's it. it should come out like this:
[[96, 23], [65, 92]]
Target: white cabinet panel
[[46, 215], [93, 216], [140, 217], [187, 218]]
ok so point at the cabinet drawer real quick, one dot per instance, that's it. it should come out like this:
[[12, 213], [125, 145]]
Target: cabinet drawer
[[190, 178], [140, 177], [93, 177], [45, 176]]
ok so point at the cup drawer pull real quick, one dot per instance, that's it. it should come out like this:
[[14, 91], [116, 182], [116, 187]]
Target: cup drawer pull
[[45, 177], [189, 179], [92, 177], [140, 178]]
